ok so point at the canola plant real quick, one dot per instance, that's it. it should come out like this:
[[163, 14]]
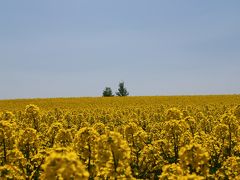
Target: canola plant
[[121, 138]]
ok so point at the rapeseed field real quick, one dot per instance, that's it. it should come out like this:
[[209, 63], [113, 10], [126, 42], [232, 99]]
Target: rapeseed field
[[161, 137]]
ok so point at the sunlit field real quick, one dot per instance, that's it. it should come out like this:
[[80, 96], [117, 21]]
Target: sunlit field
[[156, 137]]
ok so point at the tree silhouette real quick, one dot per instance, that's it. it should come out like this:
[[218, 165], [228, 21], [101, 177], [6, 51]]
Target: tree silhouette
[[122, 91], [107, 92]]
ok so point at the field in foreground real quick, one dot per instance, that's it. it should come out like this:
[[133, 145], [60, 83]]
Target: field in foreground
[[181, 137]]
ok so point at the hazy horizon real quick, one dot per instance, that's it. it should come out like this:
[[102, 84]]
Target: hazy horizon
[[77, 48]]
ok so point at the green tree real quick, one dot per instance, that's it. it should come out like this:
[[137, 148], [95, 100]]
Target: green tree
[[107, 92], [122, 91]]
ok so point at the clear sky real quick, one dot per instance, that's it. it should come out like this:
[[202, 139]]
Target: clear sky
[[56, 48]]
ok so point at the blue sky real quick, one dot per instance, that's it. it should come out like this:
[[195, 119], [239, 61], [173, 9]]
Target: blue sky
[[77, 47]]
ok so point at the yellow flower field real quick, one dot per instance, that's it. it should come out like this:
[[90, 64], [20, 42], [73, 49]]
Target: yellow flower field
[[178, 137]]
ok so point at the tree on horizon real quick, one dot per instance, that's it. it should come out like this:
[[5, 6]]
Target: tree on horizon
[[122, 91], [107, 92]]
